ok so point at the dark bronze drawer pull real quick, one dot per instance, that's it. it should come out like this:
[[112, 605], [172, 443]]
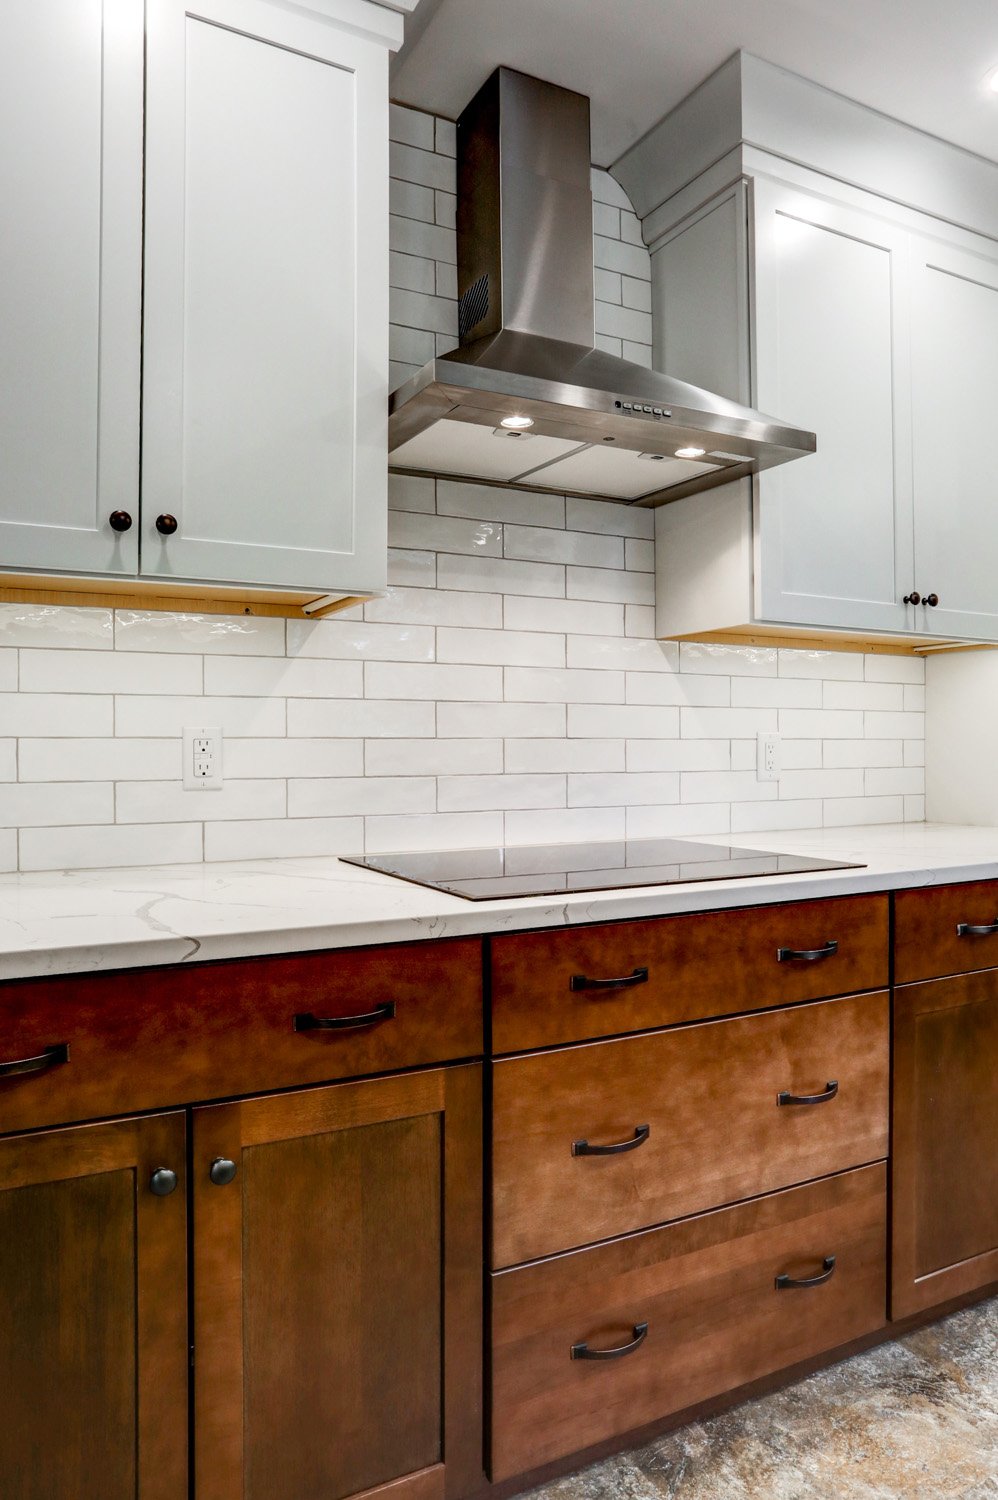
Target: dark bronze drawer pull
[[806, 955], [583, 982], [641, 1134], [787, 1283], [50, 1058], [583, 1351], [308, 1022], [829, 1092], [965, 929]]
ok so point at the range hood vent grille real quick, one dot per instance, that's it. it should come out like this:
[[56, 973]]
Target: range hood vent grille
[[528, 342]]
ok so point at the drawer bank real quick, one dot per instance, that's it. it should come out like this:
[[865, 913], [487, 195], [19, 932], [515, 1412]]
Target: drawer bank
[[430, 1220]]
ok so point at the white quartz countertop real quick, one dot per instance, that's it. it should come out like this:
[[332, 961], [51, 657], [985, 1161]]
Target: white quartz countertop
[[84, 920]]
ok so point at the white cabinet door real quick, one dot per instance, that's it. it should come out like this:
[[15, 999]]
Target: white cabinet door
[[955, 399], [266, 322], [70, 282], [834, 534]]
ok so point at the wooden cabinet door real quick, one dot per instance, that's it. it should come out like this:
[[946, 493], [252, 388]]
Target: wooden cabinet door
[[945, 1171], [93, 1313], [337, 1291], [70, 272], [955, 383], [832, 356], [265, 376]]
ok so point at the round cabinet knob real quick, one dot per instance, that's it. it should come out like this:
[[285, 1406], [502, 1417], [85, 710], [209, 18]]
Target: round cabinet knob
[[931, 600], [166, 525], [913, 598], [162, 1182], [222, 1171], [120, 520]]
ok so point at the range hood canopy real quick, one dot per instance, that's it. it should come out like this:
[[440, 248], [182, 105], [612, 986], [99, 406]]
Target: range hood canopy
[[580, 421]]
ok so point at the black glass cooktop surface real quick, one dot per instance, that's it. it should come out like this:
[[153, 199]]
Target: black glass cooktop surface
[[554, 869]]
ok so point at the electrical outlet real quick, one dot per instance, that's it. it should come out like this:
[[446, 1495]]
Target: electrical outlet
[[767, 766], [202, 749]]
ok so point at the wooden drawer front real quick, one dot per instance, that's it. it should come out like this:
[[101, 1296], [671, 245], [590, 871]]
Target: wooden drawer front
[[926, 941], [146, 1038], [709, 964], [708, 1097], [715, 1320]]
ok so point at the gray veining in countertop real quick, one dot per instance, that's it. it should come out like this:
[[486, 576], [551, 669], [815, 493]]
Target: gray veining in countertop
[[85, 920]]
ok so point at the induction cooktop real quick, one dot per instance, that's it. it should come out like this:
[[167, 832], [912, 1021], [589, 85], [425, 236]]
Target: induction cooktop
[[556, 869]]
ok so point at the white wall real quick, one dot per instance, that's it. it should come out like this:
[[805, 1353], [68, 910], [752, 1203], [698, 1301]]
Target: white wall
[[508, 687], [961, 743]]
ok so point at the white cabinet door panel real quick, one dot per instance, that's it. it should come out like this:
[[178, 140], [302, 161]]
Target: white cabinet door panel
[[70, 282], [831, 355], [955, 399], [264, 366]]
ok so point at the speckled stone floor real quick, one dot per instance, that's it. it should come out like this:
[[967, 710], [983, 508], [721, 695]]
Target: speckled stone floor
[[913, 1420]]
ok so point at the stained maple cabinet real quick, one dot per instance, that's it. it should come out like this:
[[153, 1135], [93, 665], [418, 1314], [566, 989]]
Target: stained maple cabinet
[[93, 1312], [944, 1172], [337, 1291]]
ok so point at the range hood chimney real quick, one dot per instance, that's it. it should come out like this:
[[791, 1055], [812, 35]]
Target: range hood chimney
[[528, 400]]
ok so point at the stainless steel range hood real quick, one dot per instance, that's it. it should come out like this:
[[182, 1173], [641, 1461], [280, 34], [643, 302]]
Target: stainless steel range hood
[[580, 421]]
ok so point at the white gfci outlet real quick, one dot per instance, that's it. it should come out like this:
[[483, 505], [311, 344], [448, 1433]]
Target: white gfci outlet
[[768, 759], [202, 748]]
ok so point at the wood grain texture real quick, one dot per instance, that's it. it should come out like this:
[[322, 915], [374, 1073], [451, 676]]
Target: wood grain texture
[[338, 1291], [706, 964], [93, 1357], [134, 593], [944, 1169], [708, 1093], [148, 1038], [706, 1289], [926, 943]]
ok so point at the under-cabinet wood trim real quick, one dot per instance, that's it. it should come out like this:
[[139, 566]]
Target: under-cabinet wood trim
[[182, 598]]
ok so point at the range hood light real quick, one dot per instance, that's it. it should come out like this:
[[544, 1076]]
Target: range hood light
[[517, 422], [690, 452]]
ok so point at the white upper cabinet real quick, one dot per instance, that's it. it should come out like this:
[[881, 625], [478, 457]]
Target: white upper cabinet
[[266, 275], [832, 356], [70, 283], [955, 400], [259, 336]]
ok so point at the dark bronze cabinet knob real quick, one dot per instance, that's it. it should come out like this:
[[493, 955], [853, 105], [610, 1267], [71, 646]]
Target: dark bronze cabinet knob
[[166, 525], [120, 520], [163, 1182], [222, 1171], [931, 600], [913, 598]]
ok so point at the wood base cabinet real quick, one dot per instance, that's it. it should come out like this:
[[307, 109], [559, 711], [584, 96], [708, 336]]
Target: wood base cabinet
[[337, 1291], [93, 1312], [945, 1175]]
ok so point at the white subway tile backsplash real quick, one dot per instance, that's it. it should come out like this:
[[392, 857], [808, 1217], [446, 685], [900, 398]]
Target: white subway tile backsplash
[[56, 625], [564, 755], [279, 677], [283, 838], [505, 648], [544, 580], [436, 757], [353, 719], [110, 846], [204, 635], [562, 615], [482, 793], [608, 584], [414, 680], [547, 544], [508, 686], [47, 803], [346, 796], [552, 685]]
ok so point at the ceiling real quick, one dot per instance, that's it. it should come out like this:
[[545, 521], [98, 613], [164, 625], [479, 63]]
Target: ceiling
[[918, 60]]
